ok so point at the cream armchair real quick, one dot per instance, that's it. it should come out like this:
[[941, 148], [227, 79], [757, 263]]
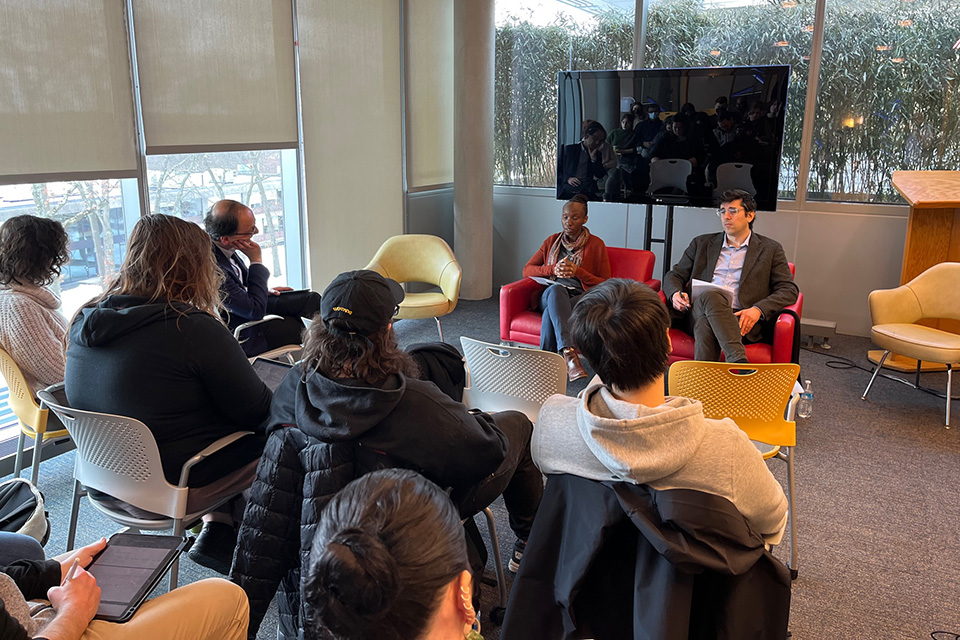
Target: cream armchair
[[935, 293], [421, 258]]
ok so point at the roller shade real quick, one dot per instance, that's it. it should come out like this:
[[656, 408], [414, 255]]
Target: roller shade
[[66, 102], [216, 75]]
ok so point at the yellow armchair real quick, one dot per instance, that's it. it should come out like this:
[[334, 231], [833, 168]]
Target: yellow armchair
[[421, 258], [935, 293]]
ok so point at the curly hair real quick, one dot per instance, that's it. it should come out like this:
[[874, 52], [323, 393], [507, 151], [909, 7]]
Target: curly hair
[[337, 353], [169, 259], [32, 250]]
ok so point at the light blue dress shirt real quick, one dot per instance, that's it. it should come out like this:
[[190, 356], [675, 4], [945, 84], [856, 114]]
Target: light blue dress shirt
[[730, 266]]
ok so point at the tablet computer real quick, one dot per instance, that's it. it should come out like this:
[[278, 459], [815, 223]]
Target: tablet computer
[[271, 371], [129, 568]]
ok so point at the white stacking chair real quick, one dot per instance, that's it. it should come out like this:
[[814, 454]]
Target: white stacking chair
[[287, 353], [734, 175], [501, 378], [669, 173], [119, 456]]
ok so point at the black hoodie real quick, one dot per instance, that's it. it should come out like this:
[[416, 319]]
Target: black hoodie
[[177, 370], [324, 433]]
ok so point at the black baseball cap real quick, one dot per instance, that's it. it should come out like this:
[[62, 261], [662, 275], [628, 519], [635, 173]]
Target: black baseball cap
[[364, 299]]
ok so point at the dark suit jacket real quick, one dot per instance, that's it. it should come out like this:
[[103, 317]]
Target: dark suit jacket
[[244, 297], [567, 162], [615, 561], [765, 282]]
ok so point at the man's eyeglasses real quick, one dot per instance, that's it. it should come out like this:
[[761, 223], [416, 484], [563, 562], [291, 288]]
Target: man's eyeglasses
[[252, 233], [732, 212]]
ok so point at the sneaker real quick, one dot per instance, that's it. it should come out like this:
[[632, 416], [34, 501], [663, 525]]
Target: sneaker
[[214, 546], [518, 548]]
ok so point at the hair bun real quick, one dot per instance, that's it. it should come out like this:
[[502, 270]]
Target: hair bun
[[363, 578]]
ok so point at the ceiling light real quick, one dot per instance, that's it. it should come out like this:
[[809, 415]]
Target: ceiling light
[[789, 4], [883, 47], [715, 52], [808, 28], [905, 23], [782, 43], [897, 60]]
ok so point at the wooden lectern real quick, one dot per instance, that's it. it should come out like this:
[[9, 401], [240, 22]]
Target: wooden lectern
[[933, 236]]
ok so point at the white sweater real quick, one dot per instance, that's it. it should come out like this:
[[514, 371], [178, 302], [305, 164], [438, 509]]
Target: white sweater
[[673, 446], [32, 331]]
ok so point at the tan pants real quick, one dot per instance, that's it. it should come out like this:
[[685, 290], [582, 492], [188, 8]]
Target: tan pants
[[212, 609]]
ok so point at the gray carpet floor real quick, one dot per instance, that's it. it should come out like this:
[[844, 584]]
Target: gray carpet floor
[[876, 497]]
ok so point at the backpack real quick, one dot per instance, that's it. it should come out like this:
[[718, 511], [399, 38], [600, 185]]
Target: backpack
[[21, 510]]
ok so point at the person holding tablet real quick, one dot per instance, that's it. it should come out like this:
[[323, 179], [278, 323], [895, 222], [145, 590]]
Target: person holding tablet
[[212, 609]]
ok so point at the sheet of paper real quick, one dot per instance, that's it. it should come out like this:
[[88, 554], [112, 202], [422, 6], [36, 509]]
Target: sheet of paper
[[547, 282], [699, 286]]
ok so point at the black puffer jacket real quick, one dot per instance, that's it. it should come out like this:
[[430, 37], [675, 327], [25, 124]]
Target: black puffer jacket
[[324, 433]]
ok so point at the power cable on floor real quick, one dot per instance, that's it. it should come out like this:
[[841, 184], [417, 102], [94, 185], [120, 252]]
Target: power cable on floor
[[839, 362]]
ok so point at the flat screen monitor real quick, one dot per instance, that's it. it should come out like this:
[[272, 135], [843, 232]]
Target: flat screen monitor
[[671, 136]]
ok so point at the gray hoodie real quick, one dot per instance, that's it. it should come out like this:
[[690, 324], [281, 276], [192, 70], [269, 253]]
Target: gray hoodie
[[673, 446]]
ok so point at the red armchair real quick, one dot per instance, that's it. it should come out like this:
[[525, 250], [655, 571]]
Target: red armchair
[[519, 319], [784, 348]]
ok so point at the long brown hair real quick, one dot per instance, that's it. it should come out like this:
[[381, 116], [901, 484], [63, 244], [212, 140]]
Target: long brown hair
[[169, 259], [337, 353]]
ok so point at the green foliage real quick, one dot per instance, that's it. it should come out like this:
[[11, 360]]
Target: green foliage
[[877, 110], [528, 58]]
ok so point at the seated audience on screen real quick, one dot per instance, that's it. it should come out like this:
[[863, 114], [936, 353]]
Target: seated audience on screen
[[354, 404], [752, 267], [389, 562], [680, 145], [581, 165], [153, 347], [246, 296], [32, 328], [576, 260], [212, 609], [623, 177], [625, 429]]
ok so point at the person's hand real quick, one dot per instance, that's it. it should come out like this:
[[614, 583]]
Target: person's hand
[[681, 301], [278, 290], [748, 318], [565, 269], [573, 182], [248, 248], [646, 145], [83, 554], [76, 600], [693, 162]]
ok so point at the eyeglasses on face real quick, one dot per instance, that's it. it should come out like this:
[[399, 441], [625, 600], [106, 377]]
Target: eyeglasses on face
[[732, 212], [252, 232]]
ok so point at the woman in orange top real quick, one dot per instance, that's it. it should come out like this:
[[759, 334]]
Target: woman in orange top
[[576, 260]]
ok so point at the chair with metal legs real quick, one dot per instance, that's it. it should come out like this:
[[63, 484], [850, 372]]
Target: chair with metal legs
[[760, 399], [896, 313], [119, 457], [32, 417]]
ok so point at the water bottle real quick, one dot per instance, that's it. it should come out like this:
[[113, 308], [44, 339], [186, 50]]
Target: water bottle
[[805, 405]]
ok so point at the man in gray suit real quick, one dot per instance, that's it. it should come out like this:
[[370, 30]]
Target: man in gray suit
[[752, 266]]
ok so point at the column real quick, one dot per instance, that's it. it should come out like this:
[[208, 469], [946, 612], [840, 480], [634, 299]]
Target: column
[[473, 29]]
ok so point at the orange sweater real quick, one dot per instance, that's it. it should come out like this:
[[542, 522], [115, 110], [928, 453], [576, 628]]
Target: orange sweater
[[593, 269]]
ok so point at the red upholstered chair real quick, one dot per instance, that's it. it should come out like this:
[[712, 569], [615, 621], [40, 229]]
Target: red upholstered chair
[[519, 319], [784, 348]]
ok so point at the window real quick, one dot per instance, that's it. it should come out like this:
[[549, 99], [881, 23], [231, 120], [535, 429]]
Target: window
[[887, 97], [690, 33], [534, 41], [186, 185], [97, 216]]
